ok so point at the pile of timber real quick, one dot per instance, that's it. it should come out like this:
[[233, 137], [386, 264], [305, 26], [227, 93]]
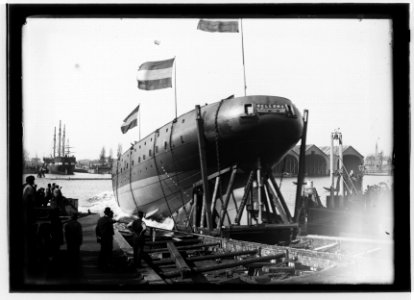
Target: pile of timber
[[177, 257], [189, 258]]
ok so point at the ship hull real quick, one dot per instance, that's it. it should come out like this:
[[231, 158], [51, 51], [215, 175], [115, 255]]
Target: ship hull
[[156, 175], [60, 165]]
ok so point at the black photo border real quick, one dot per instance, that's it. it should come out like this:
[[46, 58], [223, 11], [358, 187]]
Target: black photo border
[[397, 13]]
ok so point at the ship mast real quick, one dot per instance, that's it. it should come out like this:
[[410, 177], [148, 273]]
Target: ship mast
[[63, 140], [54, 143], [60, 137]]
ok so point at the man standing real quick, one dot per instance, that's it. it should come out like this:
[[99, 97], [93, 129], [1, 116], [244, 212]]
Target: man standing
[[29, 199], [104, 233], [29, 227], [138, 227], [73, 236]]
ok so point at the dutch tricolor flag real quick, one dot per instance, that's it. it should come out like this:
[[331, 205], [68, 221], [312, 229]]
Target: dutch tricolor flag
[[154, 75]]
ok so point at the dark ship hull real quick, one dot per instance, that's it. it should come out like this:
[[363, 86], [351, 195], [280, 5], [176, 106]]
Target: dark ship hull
[[60, 165], [156, 175]]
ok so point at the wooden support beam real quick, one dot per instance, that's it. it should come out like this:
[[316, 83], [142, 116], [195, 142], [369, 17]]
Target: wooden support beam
[[180, 262], [228, 194], [212, 176], [327, 247], [266, 205], [272, 204], [207, 257], [225, 265], [259, 191], [277, 203], [302, 158], [203, 167], [290, 270], [234, 201], [279, 196], [183, 248], [214, 199], [175, 241], [245, 198], [194, 209]]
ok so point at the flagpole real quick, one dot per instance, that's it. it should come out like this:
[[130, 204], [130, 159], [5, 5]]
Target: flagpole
[[139, 122], [242, 44], [175, 85]]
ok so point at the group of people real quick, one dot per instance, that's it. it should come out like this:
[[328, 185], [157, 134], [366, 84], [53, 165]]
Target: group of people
[[48, 237], [42, 197], [44, 232], [41, 172], [105, 232]]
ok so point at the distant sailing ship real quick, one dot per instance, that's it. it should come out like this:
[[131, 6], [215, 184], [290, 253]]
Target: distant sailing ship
[[60, 162]]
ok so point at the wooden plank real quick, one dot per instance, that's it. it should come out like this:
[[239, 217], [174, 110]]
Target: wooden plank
[[207, 257], [183, 248], [228, 194], [180, 262], [226, 265], [326, 247], [214, 175], [279, 206]]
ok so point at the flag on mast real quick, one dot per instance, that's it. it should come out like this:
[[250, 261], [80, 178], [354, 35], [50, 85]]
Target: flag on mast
[[218, 25], [154, 75], [131, 121]]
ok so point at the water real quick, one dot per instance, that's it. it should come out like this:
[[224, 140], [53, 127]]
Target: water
[[95, 195]]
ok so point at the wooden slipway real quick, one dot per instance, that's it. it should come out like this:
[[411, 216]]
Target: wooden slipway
[[176, 257]]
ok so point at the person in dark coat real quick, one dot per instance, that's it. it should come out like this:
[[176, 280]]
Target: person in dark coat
[[73, 236], [40, 197], [29, 225], [138, 227], [56, 231], [104, 234], [48, 195]]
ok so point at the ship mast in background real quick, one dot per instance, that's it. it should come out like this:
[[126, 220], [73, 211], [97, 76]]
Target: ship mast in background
[[63, 140], [60, 137], [54, 143]]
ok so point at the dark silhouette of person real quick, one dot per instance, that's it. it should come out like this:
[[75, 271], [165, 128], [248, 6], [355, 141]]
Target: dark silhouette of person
[[138, 227], [40, 197], [56, 231], [104, 233], [58, 202], [29, 224], [74, 238], [48, 195]]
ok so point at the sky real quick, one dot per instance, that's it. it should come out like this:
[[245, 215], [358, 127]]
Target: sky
[[83, 72]]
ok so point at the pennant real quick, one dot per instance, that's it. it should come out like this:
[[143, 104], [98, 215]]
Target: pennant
[[218, 26], [154, 75], [130, 121]]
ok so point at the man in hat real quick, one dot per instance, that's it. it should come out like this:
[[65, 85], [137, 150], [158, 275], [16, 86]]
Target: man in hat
[[138, 227], [104, 233], [29, 198]]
